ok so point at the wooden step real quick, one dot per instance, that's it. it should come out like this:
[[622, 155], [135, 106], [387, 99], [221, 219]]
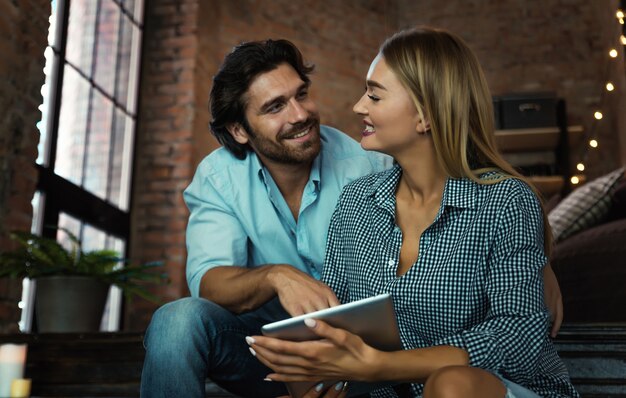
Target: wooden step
[[109, 364], [595, 355]]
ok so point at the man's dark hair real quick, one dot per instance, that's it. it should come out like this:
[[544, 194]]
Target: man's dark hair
[[240, 67]]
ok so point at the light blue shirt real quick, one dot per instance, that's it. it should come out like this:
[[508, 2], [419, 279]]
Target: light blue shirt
[[239, 217]]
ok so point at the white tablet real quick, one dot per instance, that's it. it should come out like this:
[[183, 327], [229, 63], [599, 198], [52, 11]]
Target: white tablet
[[373, 319]]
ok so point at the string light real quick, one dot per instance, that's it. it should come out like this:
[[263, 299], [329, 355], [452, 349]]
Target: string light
[[593, 143]]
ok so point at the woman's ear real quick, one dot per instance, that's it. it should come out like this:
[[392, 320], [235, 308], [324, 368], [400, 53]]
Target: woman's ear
[[237, 131], [423, 126]]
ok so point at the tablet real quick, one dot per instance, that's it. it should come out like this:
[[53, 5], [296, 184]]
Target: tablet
[[373, 319]]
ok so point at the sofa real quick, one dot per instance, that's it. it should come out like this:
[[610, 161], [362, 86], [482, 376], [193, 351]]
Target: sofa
[[589, 260]]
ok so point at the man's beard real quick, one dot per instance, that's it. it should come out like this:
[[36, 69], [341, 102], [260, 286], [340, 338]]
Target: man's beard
[[278, 152]]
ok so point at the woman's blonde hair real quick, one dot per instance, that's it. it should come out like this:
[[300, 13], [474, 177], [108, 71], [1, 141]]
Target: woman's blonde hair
[[447, 84]]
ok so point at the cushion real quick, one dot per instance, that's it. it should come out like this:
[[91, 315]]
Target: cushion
[[591, 272], [618, 208], [584, 207]]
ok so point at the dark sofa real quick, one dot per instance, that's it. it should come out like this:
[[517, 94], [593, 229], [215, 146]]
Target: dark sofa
[[591, 267]]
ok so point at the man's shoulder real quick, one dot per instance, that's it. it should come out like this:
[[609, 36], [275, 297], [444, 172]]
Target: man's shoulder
[[339, 146], [371, 181], [217, 170]]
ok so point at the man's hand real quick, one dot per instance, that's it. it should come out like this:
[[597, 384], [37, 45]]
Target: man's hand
[[298, 292], [553, 299]]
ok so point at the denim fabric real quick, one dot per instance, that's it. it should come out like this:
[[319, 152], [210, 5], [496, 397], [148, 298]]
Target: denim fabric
[[514, 390], [191, 339]]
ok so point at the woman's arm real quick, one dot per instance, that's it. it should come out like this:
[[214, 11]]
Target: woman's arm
[[341, 355]]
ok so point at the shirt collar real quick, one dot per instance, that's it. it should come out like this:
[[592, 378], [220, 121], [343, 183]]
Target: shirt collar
[[458, 192], [263, 173]]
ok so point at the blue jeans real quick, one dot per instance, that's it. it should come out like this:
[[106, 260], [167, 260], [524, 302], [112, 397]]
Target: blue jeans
[[191, 339]]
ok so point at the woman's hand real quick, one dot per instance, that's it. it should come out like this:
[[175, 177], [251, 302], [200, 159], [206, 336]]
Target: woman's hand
[[340, 355]]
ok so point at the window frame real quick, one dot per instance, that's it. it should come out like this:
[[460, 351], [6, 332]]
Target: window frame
[[58, 195]]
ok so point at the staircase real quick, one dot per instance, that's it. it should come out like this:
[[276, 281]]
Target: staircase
[[595, 356], [109, 364]]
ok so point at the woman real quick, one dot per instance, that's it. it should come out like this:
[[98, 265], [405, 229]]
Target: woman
[[452, 232]]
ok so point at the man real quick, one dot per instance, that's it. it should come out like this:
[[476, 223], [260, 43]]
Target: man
[[259, 213], [260, 209]]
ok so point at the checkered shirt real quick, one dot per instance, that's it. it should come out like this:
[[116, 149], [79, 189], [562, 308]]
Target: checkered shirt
[[477, 283]]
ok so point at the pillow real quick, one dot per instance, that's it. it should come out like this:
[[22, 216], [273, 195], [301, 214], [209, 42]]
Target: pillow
[[584, 207], [618, 207]]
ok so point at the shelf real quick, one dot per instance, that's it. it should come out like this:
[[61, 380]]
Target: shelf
[[548, 185], [535, 139]]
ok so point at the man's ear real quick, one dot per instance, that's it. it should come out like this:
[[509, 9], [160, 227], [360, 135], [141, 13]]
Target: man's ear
[[238, 132]]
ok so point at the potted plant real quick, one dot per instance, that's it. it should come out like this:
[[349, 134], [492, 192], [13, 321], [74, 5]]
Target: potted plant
[[72, 284]]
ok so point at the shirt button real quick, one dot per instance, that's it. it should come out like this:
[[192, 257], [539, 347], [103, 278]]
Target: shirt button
[[391, 262]]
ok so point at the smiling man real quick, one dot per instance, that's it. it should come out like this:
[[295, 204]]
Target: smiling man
[[259, 214]]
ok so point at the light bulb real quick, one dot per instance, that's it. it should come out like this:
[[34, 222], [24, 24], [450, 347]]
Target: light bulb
[[619, 14], [613, 53], [580, 167], [593, 143], [598, 115], [610, 86], [575, 180], [622, 38]]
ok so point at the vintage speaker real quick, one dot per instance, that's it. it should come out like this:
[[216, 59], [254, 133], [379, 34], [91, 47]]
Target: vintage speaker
[[526, 110]]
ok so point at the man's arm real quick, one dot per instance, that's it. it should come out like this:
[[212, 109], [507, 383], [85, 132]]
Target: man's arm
[[240, 289]]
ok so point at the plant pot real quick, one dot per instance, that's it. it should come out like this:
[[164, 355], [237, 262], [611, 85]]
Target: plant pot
[[67, 304]]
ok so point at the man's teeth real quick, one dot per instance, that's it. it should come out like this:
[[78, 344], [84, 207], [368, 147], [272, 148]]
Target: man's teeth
[[369, 129], [301, 134]]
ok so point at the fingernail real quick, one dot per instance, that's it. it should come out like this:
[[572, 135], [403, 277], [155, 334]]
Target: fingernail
[[250, 340], [267, 379], [252, 351], [339, 386], [310, 322], [319, 387]]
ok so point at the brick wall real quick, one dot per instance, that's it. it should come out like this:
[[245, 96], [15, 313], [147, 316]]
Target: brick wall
[[23, 31], [551, 45]]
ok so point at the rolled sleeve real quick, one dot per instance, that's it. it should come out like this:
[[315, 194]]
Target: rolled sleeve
[[215, 236], [510, 339]]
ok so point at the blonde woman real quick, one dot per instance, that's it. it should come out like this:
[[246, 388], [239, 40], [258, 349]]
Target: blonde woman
[[452, 232]]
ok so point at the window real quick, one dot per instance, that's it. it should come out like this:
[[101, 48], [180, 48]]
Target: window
[[89, 114]]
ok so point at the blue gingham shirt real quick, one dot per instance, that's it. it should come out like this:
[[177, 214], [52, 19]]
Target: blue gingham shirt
[[239, 217], [477, 283]]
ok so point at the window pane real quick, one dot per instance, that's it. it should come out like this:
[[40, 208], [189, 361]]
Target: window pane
[[98, 146], [120, 165], [71, 224], [126, 81], [52, 39], [134, 8], [93, 238], [106, 46], [80, 34], [72, 127]]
